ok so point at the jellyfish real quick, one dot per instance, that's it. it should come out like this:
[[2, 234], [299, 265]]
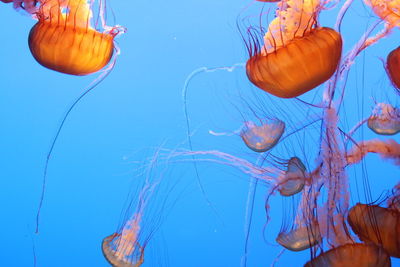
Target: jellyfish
[[393, 67], [264, 137], [300, 238], [124, 250], [297, 55], [64, 40], [385, 119], [294, 179], [357, 255], [377, 225], [126, 247]]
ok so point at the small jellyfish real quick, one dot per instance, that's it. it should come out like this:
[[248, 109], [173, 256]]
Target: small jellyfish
[[355, 255], [300, 238], [264, 137], [124, 250], [126, 247], [297, 56], [377, 225], [294, 178], [64, 40], [385, 119]]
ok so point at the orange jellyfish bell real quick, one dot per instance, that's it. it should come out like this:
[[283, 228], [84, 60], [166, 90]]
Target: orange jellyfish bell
[[296, 55], [64, 41], [377, 225], [355, 255], [393, 67], [299, 66]]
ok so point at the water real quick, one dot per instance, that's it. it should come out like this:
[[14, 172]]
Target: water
[[138, 108]]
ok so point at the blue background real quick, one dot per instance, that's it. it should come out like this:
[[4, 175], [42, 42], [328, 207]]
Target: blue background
[[138, 108]]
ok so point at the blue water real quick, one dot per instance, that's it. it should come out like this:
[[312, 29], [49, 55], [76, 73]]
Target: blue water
[[138, 108]]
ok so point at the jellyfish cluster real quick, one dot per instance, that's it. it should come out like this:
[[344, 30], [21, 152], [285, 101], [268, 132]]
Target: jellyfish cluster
[[291, 58], [288, 59]]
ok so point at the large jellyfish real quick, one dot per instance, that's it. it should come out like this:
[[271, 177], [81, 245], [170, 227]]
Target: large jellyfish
[[358, 254], [64, 39], [377, 225], [392, 66], [298, 55]]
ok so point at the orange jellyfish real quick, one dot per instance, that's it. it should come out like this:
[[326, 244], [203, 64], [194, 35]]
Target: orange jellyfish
[[297, 55], [64, 40], [356, 255], [377, 225], [393, 67]]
